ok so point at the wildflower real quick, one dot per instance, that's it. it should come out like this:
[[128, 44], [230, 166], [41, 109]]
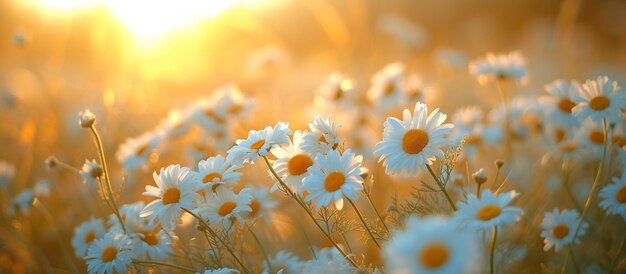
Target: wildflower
[[292, 163], [91, 171], [176, 190], [559, 104], [469, 126], [502, 66], [130, 213], [334, 176], [432, 245], [322, 138], [224, 205], [559, 229], [480, 176], [221, 271], [386, 91], [414, 142], [22, 202], [86, 118], [417, 90], [564, 144], [613, 196], [259, 143], [85, 234], [283, 262], [153, 243], [209, 115], [7, 172], [328, 261], [260, 204], [215, 171], [231, 102], [600, 99], [134, 152], [337, 88], [110, 253], [590, 136], [487, 211], [176, 124]]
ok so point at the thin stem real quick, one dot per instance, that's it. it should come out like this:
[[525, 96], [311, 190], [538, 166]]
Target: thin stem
[[494, 236], [67, 166], [594, 188], [495, 179], [507, 126], [267, 259], [179, 267], [442, 187], [98, 142], [369, 199], [566, 176], [66, 254], [369, 231], [478, 191]]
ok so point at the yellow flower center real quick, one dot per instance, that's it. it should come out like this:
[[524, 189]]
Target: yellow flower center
[[434, 255], [560, 231], [258, 144], [90, 236], [299, 164], [150, 237], [560, 135], [171, 196], [596, 137], [211, 176], [334, 181], [621, 195], [566, 105], [226, 208], [142, 150], [389, 88], [234, 109], [213, 116], [619, 141], [108, 254], [599, 103], [255, 206], [488, 212], [414, 141]]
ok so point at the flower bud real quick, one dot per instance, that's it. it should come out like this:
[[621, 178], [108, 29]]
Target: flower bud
[[86, 118], [480, 176], [499, 163], [51, 162]]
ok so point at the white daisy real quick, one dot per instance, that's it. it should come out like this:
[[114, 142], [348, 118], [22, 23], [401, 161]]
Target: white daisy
[[334, 176], [207, 114], [283, 262], [130, 213], [91, 171], [509, 66], [7, 172], [322, 138], [328, 261], [221, 271], [387, 84], [22, 203], [110, 253], [224, 205], [42, 188], [468, 125], [261, 204], [590, 136], [414, 142], [134, 152], [231, 102], [292, 163], [215, 171], [337, 90], [176, 124], [600, 99], [613, 196], [563, 144], [559, 104], [259, 143], [85, 234], [432, 245], [415, 89], [176, 190], [488, 211], [153, 243], [559, 229]]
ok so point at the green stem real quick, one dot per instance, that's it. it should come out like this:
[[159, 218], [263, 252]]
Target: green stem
[[267, 259], [369, 231], [369, 199], [494, 236], [442, 187], [179, 267]]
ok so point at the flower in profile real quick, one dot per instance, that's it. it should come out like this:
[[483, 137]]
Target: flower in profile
[[328, 261], [613, 196], [91, 171], [333, 176], [109, 254], [135, 151], [487, 211], [432, 245], [86, 118], [558, 229], [600, 99], [413, 142], [387, 84], [511, 65], [292, 163], [259, 143], [559, 104], [176, 189], [85, 234], [322, 138], [283, 262], [7, 172], [215, 171], [224, 205]]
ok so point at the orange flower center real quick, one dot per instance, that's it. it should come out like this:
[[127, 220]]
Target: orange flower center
[[234, 109], [488, 212], [171, 196], [414, 141], [560, 135], [473, 139], [211, 176], [258, 144], [389, 88], [142, 150], [334, 181], [434, 255], [150, 237], [299, 164], [226, 208], [90, 236], [255, 206], [566, 105], [568, 147], [621, 195], [596, 137], [109, 254], [599, 103], [560, 231], [619, 141], [213, 116]]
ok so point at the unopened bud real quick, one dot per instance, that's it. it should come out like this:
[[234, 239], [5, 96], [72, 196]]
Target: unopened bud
[[480, 176], [96, 171], [51, 162], [499, 163], [86, 118]]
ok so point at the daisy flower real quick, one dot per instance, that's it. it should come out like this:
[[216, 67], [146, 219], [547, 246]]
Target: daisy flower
[[414, 142], [130, 213], [506, 66], [432, 245], [217, 170], [22, 202], [322, 138], [91, 171], [207, 114], [336, 89], [563, 144], [559, 104], [590, 135], [292, 163], [224, 205], [153, 243], [487, 211], [259, 143], [468, 125], [416, 90], [559, 229], [600, 99], [261, 204], [176, 190], [386, 91], [613, 197], [221, 271], [7, 172], [231, 101], [283, 261], [110, 253], [334, 176], [176, 124], [328, 261], [134, 152], [85, 234]]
